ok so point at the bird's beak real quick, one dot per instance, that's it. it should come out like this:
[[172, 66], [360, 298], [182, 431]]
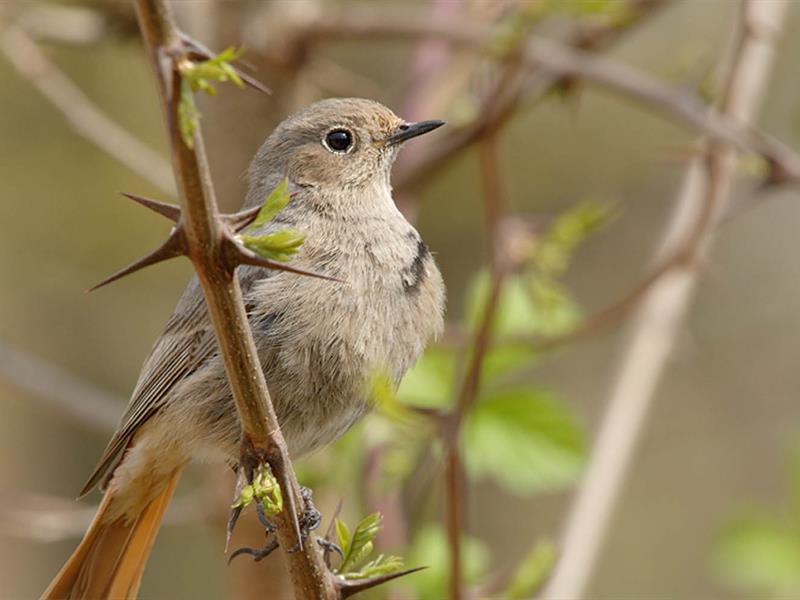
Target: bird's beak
[[406, 131]]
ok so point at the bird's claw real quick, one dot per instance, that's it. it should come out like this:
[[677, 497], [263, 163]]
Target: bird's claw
[[257, 553], [310, 519], [329, 546]]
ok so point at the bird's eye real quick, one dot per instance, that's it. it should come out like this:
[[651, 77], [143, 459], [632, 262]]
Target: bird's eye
[[339, 140]]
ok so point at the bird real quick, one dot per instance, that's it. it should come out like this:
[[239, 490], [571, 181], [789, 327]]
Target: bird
[[319, 341]]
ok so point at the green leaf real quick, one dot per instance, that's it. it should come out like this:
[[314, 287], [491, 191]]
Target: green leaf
[[383, 397], [198, 76], [517, 310], [430, 548], [382, 565], [265, 489], [569, 230], [343, 536], [531, 572], [361, 542], [279, 245], [429, 383], [761, 555], [524, 440], [278, 198]]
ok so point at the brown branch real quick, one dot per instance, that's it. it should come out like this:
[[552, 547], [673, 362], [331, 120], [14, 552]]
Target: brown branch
[[553, 63], [417, 167], [209, 246], [451, 423], [85, 117], [704, 196]]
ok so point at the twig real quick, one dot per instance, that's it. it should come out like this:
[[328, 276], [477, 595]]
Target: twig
[[556, 62], [215, 254], [497, 108], [454, 496], [703, 197], [85, 117], [59, 390]]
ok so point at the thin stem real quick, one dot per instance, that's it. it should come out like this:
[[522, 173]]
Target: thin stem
[[454, 518], [455, 491]]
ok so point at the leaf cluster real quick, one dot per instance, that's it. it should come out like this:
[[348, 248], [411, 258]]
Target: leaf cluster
[[264, 489], [278, 245], [358, 546], [201, 76]]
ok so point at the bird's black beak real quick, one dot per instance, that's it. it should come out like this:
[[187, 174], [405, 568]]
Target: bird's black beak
[[406, 131]]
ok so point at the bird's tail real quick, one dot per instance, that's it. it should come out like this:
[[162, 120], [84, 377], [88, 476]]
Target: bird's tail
[[109, 561]]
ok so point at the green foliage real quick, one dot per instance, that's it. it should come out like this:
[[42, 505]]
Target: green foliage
[[278, 245], [199, 76], [264, 489], [531, 572], [609, 11], [520, 310], [430, 548], [277, 199], [524, 440], [513, 30], [557, 246], [759, 553], [358, 545], [430, 382]]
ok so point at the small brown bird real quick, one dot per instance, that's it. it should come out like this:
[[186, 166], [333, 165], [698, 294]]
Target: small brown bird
[[319, 341]]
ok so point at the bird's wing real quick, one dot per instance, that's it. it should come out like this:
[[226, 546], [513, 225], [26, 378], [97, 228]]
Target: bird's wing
[[186, 343]]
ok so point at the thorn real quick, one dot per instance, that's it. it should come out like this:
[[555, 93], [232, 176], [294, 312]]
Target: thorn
[[166, 67], [350, 588], [253, 82], [171, 248], [245, 256], [233, 516], [241, 219], [172, 212], [291, 504]]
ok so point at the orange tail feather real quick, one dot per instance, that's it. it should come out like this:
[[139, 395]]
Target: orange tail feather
[[110, 560]]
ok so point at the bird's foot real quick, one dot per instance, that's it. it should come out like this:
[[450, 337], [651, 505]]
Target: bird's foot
[[309, 521]]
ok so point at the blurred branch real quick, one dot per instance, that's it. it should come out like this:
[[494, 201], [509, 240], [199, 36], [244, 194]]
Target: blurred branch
[[85, 117], [66, 394], [553, 63], [703, 198], [452, 423]]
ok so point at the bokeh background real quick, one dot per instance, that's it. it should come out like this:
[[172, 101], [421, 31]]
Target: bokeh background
[[719, 441]]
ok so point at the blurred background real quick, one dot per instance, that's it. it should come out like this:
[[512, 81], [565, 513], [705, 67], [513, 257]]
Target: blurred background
[[710, 509]]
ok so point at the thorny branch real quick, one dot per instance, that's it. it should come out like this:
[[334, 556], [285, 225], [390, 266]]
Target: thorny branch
[[704, 196], [555, 63], [207, 241]]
